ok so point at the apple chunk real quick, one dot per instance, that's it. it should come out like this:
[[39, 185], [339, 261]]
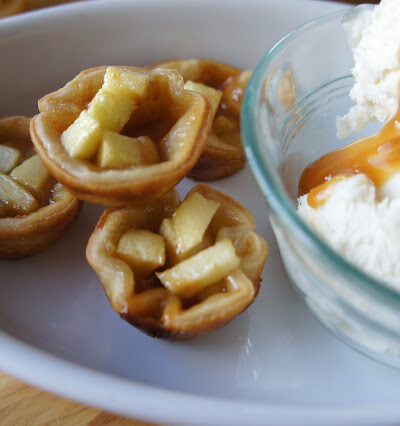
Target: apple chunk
[[199, 271], [213, 95], [148, 150], [82, 138], [110, 110], [16, 198], [33, 176], [121, 151], [9, 158], [186, 229], [124, 82], [223, 124], [142, 250]]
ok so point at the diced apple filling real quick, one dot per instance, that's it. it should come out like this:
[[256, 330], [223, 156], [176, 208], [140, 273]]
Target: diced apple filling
[[16, 198], [223, 124], [143, 250], [186, 229], [33, 176], [82, 138], [9, 158], [199, 271], [120, 151], [124, 82], [173, 258], [213, 95], [172, 243], [148, 150], [110, 110]]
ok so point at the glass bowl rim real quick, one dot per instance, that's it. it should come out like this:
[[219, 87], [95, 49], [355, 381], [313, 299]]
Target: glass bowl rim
[[277, 200]]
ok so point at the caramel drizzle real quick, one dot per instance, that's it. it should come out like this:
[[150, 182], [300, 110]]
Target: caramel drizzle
[[377, 156], [318, 196]]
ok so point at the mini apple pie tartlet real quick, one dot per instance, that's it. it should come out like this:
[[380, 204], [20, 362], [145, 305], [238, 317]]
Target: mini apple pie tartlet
[[224, 85], [34, 209], [179, 269], [121, 135]]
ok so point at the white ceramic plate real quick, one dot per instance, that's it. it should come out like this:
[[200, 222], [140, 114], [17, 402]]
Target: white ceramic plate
[[273, 364]]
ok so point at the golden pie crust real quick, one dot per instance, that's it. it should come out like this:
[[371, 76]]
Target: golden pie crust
[[24, 235], [145, 303], [223, 154], [181, 141]]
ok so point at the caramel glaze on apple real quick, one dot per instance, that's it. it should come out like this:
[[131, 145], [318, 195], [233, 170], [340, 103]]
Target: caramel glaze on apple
[[24, 144]]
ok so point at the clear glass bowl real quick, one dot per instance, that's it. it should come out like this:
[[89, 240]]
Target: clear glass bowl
[[288, 120]]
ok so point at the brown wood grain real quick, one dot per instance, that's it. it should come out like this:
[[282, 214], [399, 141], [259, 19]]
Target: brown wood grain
[[37, 4], [23, 405]]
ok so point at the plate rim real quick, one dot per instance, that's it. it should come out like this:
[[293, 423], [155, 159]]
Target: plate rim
[[62, 376], [139, 400]]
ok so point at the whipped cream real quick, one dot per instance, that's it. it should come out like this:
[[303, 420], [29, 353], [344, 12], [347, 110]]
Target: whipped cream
[[361, 225], [374, 37], [359, 220]]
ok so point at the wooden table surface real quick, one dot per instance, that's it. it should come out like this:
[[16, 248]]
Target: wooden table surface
[[21, 404]]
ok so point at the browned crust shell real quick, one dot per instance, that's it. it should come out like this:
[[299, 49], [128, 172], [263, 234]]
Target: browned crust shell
[[111, 187], [25, 235], [118, 280], [22, 236], [215, 162]]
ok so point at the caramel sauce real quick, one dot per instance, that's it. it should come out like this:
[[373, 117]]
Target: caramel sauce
[[319, 195], [377, 156]]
